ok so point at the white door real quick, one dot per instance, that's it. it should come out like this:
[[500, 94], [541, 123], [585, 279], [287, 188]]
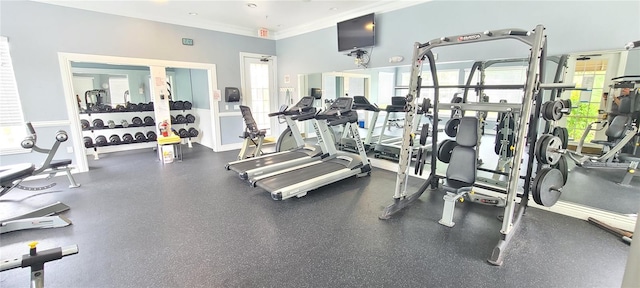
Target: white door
[[118, 87], [259, 90]]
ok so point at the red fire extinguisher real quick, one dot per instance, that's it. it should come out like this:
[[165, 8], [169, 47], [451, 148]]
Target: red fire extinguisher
[[164, 128]]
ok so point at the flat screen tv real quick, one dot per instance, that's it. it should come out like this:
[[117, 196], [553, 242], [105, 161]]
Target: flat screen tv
[[356, 33]]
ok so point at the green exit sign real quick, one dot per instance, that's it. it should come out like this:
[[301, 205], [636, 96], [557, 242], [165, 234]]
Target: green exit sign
[[187, 41]]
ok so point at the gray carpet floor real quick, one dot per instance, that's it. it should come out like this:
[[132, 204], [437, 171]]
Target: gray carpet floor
[[194, 224]]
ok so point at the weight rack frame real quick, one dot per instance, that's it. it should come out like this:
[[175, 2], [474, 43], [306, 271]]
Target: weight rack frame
[[536, 40]]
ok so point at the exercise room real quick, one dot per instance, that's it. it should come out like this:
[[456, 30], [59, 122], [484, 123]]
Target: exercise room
[[308, 143]]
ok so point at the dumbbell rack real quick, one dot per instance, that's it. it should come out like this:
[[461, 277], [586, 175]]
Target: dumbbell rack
[[118, 129], [174, 114]]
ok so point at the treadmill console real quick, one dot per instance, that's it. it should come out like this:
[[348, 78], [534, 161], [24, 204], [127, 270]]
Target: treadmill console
[[305, 105], [361, 103], [343, 104]]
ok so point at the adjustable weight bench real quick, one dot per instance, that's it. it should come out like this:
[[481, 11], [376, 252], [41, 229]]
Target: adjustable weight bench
[[251, 135]]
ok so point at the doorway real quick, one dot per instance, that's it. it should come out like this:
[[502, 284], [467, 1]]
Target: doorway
[[259, 89]]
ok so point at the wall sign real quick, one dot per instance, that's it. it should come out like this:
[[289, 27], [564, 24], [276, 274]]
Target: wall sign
[[187, 41]]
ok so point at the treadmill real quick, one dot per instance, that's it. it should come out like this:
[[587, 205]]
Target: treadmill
[[388, 147], [303, 153], [297, 181], [347, 142]]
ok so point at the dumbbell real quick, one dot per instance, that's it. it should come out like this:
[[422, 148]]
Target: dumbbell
[[136, 121], [85, 124], [145, 106], [121, 108], [61, 136], [171, 105], [148, 121], [173, 120], [151, 136], [193, 132], [140, 137], [98, 123], [88, 142], [183, 133], [111, 124], [114, 139], [106, 108], [175, 132], [127, 138], [101, 141], [132, 107], [181, 119], [139, 107], [150, 106], [191, 118], [178, 105], [124, 123], [187, 105]]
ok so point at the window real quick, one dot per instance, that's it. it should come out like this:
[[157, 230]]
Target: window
[[503, 75], [11, 117], [589, 74], [445, 77], [259, 83]]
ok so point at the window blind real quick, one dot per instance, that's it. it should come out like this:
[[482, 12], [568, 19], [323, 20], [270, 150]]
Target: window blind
[[10, 108]]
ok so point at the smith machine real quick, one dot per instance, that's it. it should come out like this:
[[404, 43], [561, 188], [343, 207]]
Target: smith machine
[[460, 178]]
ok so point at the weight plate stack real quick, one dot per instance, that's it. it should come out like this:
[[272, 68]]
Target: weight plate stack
[[545, 147], [151, 136], [85, 124], [148, 121], [127, 138], [139, 136], [193, 132], [181, 119], [101, 141], [136, 121], [190, 118], [546, 187], [98, 123], [445, 149], [183, 133], [114, 139], [88, 142], [187, 105]]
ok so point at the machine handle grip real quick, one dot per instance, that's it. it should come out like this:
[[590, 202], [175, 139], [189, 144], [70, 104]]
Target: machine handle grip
[[339, 121], [275, 114], [303, 117], [30, 127]]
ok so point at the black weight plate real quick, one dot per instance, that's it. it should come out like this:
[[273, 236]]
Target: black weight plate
[[424, 134], [114, 139], [173, 120], [444, 150], [426, 105], [451, 127], [181, 119], [88, 142], [178, 105], [193, 132], [190, 118], [423, 162], [557, 110], [140, 137], [547, 113], [565, 138], [148, 121], [498, 143], [546, 179], [563, 167], [127, 138], [566, 103], [187, 105], [151, 136], [98, 123], [547, 156], [85, 124], [183, 133], [557, 131], [538, 148], [137, 121], [101, 141]]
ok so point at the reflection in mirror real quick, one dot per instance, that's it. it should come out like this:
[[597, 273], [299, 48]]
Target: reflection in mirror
[[95, 84]]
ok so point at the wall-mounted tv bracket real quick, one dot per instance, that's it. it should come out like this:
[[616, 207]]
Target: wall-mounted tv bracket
[[358, 53]]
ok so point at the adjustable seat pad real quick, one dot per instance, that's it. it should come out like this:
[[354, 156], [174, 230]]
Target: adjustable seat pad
[[615, 130], [461, 171], [11, 173]]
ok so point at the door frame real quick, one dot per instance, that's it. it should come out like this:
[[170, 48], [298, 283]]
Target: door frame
[[273, 93], [65, 60]]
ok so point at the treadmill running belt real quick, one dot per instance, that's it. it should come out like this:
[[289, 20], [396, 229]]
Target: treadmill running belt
[[296, 176], [265, 161]]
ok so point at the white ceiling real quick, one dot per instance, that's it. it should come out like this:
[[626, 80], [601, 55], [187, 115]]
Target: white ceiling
[[284, 18]]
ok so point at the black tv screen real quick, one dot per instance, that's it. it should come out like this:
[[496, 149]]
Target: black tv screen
[[356, 33]]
